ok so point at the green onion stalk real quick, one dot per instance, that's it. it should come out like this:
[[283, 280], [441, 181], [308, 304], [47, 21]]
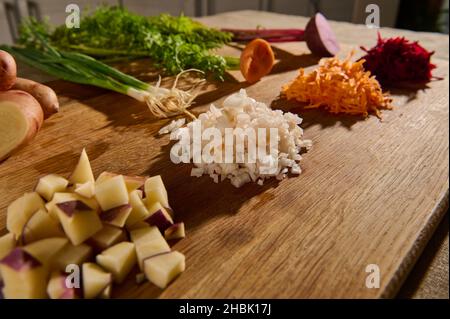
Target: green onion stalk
[[82, 69], [173, 43], [176, 45]]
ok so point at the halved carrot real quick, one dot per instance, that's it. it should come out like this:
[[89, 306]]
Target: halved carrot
[[257, 60]]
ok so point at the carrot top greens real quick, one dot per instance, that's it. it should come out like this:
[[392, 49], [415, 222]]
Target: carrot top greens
[[173, 43]]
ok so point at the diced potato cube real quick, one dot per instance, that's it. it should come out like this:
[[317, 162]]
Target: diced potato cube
[[95, 280], [176, 231], [41, 226], [58, 289], [155, 191], [83, 171], [112, 193], [132, 182], [46, 249], [20, 211], [51, 184], [78, 220], [7, 243], [107, 237], [139, 212], [67, 197], [116, 216], [118, 260], [159, 217], [86, 190], [149, 242], [71, 255], [23, 275], [162, 269]]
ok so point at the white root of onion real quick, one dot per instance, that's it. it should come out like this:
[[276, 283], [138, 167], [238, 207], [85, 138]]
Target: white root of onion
[[21, 117], [164, 102], [43, 94]]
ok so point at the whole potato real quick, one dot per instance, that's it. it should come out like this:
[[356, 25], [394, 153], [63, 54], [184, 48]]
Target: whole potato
[[8, 71]]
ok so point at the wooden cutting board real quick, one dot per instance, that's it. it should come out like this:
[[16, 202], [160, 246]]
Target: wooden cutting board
[[371, 191]]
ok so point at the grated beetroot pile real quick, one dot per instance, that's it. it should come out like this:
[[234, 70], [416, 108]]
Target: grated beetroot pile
[[398, 60]]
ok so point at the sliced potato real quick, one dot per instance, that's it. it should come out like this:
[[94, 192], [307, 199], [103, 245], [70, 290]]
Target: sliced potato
[[21, 118]]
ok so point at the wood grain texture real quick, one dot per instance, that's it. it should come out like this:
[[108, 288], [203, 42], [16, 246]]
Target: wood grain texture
[[429, 277], [371, 191]]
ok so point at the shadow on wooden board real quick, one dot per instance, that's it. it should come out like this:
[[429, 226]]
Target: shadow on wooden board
[[195, 207], [289, 62], [318, 116]]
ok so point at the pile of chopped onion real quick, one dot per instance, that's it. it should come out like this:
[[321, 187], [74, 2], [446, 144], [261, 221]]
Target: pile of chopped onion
[[339, 86], [241, 111], [172, 126]]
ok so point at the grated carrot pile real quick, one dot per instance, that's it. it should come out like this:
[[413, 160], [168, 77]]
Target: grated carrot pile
[[340, 87]]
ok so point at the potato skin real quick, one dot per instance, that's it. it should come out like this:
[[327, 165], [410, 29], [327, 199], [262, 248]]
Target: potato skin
[[8, 71], [43, 94], [30, 108]]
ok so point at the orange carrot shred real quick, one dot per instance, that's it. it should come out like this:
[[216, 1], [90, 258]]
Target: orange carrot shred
[[340, 87]]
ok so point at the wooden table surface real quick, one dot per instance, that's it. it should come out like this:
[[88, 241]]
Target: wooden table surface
[[429, 278], [371, 192]]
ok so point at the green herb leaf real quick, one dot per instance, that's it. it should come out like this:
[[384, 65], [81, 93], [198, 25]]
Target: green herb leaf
[[173, 43]]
